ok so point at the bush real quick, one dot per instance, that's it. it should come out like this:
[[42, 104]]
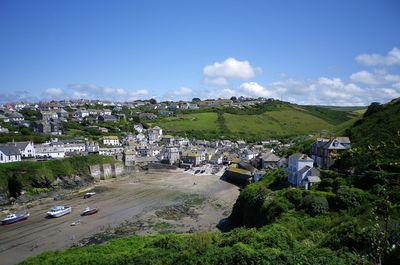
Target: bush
[[347, 198], [315, 205], [294, 196]]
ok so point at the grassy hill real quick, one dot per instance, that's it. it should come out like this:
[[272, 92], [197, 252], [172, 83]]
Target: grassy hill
[[376, 138], [271, 119]]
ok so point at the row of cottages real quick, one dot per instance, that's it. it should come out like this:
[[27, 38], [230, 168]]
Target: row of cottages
[[111, 140], [325, 151], [301, 171], [15, 151]]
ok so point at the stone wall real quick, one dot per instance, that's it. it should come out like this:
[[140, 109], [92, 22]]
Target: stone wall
[[106, 171], [95, 171]]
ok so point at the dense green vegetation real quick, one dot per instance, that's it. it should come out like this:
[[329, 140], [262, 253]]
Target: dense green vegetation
[[273, 119], [26, 175], [376, 139]]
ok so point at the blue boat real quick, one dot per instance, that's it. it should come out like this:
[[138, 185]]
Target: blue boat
[[13, 218]]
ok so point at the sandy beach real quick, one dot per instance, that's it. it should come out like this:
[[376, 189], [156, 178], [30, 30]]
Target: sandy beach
[[143, 203]]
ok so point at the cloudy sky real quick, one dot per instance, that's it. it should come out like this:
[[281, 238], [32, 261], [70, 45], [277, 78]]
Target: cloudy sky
[[334, 52]]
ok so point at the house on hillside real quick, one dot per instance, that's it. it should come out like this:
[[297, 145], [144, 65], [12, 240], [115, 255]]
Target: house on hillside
[[15, 117], [155, 134], [247, 155], [27, 149], [47, 151], [190, 158], [325, 151], [268, 160], [9, 153], [301, 172], [111, 140], [109, 118]]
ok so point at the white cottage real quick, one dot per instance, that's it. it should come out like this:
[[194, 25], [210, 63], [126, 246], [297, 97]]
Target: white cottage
[[301, 172]]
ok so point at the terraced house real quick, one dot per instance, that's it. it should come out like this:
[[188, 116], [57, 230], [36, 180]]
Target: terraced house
[[325, 151]]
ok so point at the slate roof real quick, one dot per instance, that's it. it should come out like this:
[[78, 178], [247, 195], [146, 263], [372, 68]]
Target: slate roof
[[270, 157], [304, 170], [9, 150]]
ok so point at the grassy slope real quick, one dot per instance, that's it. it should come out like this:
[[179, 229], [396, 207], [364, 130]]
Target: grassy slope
[[284, 120], [196, 121]]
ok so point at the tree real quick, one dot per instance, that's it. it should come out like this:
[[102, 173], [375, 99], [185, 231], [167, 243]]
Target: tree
[[196, 99], [373, 108], [234, 98], [153, 101]]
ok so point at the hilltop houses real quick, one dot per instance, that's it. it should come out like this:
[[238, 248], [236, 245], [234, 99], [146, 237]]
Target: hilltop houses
[[301, 172]]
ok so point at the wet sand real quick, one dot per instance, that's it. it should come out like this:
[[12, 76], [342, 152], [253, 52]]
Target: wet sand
[[145, 198]]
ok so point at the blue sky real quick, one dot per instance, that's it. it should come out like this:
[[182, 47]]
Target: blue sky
[[308, 52]]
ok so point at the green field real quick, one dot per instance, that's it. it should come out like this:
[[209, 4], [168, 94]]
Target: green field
[[197, 121], [252, 124]]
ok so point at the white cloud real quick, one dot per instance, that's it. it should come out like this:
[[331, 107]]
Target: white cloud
[[54, 93], [364, 77], [254, 89], [183, 91], [17, 96], [392, 58], [218, 81], [231, 68], [139, 93], [376, 78], [92, 91], [180, 93]]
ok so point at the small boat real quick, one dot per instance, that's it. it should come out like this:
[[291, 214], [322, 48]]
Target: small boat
[[89, 211], [13, 218], [89, 194], [59, 210], [77, 222]]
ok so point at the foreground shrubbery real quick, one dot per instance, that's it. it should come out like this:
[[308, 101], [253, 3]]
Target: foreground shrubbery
[[270, 245]]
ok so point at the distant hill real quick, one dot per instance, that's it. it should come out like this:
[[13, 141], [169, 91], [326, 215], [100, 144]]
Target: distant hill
[[271, 119]]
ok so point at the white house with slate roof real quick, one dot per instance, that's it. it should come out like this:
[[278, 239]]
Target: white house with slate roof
[[9, 153], [301, 172], [27, 149]]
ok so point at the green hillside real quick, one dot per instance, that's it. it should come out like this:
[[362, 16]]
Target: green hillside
[[272, 119], [376, 138]]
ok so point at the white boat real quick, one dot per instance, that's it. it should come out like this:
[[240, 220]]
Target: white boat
[[59, 210], [13, 218]]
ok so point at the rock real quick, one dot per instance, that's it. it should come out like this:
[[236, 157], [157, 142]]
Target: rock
[[4, 199]]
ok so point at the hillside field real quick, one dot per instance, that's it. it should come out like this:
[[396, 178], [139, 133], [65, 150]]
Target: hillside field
[[281, 121]]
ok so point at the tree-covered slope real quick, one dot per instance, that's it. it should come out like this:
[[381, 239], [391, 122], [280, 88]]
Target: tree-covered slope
[[376, 139]]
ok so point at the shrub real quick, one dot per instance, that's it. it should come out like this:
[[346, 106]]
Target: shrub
[[347, 198], [315, 205]]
